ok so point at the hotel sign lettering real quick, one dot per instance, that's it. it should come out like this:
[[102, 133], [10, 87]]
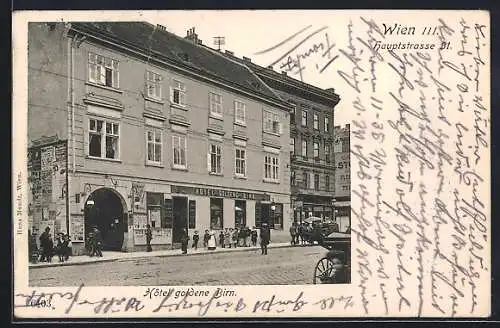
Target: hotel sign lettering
[[219, 193]]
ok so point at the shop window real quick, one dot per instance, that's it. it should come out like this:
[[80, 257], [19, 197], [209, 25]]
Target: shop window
[[277, 216], [154, 204], [216, 213], [240, 215]]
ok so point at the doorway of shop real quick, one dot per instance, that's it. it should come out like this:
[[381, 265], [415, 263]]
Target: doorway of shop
[[104, 209], [180, 210]]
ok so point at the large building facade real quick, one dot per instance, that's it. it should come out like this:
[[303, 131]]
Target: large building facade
[[130, 125], [341, 151]]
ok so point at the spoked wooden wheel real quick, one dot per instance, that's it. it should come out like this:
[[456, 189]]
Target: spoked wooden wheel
[[323, 271]]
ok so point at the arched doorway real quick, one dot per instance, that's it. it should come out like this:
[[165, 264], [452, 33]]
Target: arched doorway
[[104, 208]]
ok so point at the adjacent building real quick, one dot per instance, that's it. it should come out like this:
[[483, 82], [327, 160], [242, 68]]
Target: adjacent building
[[130, 125], [342, 201], [312, 176]]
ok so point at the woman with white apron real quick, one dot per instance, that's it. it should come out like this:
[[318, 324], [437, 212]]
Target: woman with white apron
[[212, 242]]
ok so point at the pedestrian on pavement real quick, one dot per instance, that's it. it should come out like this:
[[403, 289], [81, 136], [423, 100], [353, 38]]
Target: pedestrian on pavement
[[293, 233], [206, 237], [184, 241], [47, 245], [149, 236], [227, 238], [61, 245], [212, 242], [235, 237], [248, 233], [221, 239], [196, 238], [264, 238], [241, 237], [69, 247], [97, 242], [254, 236]]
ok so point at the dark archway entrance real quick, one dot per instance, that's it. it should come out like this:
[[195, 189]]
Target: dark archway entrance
[[104, 209]]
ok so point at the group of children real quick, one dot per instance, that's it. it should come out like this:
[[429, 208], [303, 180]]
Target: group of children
[[229, 237], [62, 247]]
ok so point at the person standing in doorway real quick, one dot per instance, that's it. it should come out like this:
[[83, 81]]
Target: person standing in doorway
[[264, 238], [97, 242], [254, 236], [184, 240], [149, 236]]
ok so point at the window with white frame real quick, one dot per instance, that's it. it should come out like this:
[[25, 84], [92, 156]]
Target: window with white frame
[[153, 85], [327, 153], [316, 181], [240, 162], [316, 150], [327, 124], [292, 146], [215, 104], [103, 70], [154, 146], [304, 117], [292, 113], [271, 122], [304, 148], [271, 168], [179, 150], [178, 93], [305, 179], [315, 121], [103, 139], [215, 159], [239, 112]]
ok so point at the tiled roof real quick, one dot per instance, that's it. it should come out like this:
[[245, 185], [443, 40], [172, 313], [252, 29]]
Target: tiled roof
[[152, 40]]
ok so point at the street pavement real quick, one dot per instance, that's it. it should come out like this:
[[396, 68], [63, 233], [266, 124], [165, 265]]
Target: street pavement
[[282, 266]]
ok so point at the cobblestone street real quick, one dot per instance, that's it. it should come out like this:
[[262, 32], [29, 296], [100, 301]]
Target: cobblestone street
[[291, 265]]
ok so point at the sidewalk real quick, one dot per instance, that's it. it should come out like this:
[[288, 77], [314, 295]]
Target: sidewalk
[[117, 256]]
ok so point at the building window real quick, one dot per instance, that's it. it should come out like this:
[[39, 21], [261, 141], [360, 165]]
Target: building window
[[153, 85], [179, 150], [327, 124], [292, 146], [345, 187], [240, 162], [154, 203], [154, 145], [271, 168], [305, 179], [271, 123], [337, 145], [178, 93], [239, 112], [216, 159], [277, 216], [327, 153], [316, 181], [327, 183], [293, 180], [315, 121], [304, 117], [103, 70], [215, 104], [293, 113], [240, 215], [316, 150], [304, 148], [216, 213], [103, 143]]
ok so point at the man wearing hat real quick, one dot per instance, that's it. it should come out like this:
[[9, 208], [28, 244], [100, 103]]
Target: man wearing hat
[[265, 236]]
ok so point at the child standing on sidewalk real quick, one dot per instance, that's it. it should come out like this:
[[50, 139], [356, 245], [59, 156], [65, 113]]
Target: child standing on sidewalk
[[206, 237], [254, 236], [196, 238]]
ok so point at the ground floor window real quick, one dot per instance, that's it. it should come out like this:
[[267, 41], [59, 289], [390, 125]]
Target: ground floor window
[[277, 216], [216, 213], [240, 215], [154, 203]]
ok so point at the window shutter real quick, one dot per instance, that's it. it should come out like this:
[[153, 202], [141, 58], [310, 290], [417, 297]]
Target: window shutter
[[209, 163]]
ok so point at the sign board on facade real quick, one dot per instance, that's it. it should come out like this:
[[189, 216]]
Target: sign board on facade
[[209, 192], [77, 229]]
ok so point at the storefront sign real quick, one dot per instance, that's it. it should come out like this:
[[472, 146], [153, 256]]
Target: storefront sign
[[219, 193]]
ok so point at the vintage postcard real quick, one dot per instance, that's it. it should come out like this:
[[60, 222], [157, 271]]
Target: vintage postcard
[[251, 164]]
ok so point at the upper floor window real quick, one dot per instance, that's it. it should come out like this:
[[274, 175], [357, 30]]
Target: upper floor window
[[103, 142], [327, 153], [293, 113], [315, 121], [305, 179], [178, 93], [153, 85], [239, 112], [215, 104], [271, 168], [154, 146], [271, 122], [103, 70], [292, 146], [316, 181], [316, 150], [304, 148], [327, 124], [304, 117], [179, 149], [327, 183], [215, 159], [240, 162]]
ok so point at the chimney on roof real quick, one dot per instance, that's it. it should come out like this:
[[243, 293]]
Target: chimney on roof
[[161, 27], [229, 53], [246, 59], [270, 67], [283, 73], [192, 36], [331, 90]]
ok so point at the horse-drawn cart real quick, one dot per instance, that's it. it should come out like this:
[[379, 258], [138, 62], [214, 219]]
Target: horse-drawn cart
[[335, 266]]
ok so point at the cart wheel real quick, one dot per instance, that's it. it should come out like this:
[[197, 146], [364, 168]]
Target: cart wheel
[[326, 271]]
